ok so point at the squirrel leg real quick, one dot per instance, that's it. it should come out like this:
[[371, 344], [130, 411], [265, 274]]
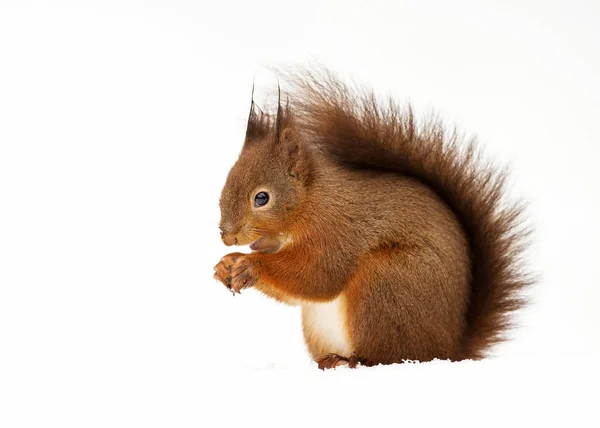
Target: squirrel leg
[[403, 305], [298, 275], [224, 274]]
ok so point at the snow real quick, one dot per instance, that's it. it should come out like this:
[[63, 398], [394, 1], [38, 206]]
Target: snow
[[118, 124], [181, 391]]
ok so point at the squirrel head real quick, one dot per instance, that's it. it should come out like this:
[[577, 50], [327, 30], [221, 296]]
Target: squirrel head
[[268, 183]]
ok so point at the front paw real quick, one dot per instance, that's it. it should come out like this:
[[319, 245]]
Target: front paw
[[223, 268], [243, 274], [236, 271]]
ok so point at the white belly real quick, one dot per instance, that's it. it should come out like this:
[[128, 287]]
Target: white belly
[[325, 327]]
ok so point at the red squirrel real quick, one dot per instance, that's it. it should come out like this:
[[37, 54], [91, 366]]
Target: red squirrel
[[393, 236]]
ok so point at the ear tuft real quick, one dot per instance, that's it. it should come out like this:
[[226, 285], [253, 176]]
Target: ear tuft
[[258, 122]]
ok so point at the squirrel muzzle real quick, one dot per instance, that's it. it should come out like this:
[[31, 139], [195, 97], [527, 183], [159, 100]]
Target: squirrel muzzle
[[229, 239]]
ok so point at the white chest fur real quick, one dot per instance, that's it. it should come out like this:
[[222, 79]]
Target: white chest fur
[[325, 327]]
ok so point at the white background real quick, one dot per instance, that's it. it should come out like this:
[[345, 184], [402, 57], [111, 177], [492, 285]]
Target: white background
[[118, 124]]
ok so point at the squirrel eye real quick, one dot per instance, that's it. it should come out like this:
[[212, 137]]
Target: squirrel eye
[[261, 199]]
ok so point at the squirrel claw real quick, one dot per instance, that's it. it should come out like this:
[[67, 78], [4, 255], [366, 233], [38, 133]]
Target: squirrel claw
[[223, 269], [242, 274], [331, 361]]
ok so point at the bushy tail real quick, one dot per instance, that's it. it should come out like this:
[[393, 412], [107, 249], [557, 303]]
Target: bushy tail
[[360, 132]]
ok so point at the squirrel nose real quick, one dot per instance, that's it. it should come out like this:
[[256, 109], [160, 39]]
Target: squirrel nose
[[228, 238]]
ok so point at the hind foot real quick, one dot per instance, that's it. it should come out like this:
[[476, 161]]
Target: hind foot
[[331, 361]]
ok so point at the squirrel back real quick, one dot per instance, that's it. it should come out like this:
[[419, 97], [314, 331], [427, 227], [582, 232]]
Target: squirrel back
[[360, 133], [451, 240]]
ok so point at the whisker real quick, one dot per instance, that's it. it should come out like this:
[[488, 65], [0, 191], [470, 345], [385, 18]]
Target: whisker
[[258, 229]]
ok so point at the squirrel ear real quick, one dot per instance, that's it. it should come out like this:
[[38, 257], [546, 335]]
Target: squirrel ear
[[298, 158]]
